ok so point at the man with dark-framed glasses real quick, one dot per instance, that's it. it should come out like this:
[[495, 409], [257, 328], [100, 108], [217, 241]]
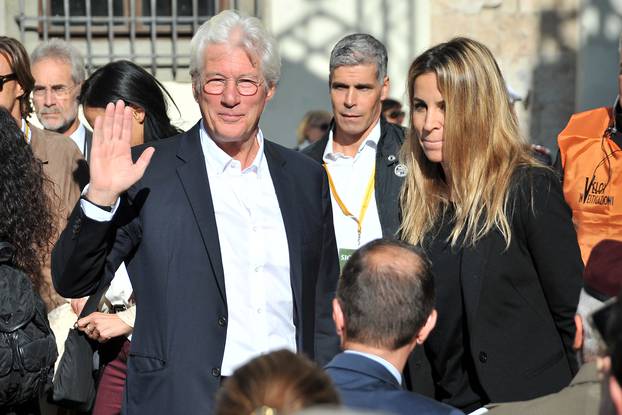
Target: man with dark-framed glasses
[[227, 237]]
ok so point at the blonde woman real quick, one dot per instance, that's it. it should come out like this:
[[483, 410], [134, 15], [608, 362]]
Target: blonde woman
[[495, 225]]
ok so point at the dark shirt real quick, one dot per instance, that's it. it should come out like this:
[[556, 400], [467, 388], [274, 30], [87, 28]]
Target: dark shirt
[[447, 347]]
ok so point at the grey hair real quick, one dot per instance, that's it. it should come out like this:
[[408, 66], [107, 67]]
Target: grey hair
[[254, 38], [59, 49], [591, 343], [360, 49]]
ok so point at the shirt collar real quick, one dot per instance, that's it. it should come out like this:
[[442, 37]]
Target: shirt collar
[[80, 133], [218, 161], [370, 141], [26, 130], [392, 369]]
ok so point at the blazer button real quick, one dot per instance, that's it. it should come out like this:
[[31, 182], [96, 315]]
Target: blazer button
[[216, 372], [222, 321], [483, 357]]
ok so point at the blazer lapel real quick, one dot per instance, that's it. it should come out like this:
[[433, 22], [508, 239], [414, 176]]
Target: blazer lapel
[[286, 196], [193, 177], [474, 261]]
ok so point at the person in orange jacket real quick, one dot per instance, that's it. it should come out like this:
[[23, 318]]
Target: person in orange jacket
[[590, 160]]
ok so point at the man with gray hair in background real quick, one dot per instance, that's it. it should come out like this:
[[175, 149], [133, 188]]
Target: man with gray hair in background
[[58, 69], [360, 154], [227, 237]]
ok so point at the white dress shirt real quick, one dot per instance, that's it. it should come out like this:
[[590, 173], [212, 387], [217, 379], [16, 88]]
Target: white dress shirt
[[79, 137], [255, 256], [351, 176], [254, 250]]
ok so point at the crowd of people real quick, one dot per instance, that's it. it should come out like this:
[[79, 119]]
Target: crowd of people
[[436, 268]]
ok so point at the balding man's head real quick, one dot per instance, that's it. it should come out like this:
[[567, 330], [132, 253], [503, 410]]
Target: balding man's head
[[386, 294]]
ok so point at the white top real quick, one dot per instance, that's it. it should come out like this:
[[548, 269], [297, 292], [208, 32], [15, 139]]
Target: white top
[[351, 176], [392, 369], [79, 137], [255, 255]]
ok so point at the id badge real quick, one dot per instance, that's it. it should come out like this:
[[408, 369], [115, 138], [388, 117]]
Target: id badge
[[344, 255]]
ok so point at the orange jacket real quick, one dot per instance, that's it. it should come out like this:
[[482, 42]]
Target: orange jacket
[[592, 163]]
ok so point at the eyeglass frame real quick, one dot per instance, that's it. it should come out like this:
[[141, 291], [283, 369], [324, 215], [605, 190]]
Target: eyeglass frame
[[6, 78], [223, 81], [59, 91]]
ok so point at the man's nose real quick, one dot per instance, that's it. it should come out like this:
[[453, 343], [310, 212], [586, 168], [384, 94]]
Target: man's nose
[[49, 98], [230, 96], [350, 98]]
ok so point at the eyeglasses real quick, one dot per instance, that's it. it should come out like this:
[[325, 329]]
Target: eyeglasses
[[244, 86], [59, 91], [6, 78]]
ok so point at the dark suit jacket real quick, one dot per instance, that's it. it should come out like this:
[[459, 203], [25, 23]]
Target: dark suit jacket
[[417, 373], [520, 301], [166, 232], [366, 384], [387, 183]]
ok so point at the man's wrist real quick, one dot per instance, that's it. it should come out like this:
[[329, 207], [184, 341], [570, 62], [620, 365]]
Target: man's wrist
[[100, 199]]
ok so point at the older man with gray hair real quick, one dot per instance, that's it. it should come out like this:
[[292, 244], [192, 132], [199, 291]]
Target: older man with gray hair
[[58, 69], [227, 237]]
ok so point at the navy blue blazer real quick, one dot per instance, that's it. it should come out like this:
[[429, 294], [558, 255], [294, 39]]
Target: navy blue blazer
[[366, 384], [165, 231]]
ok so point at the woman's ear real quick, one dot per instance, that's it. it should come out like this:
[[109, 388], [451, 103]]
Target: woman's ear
[[138, 114]]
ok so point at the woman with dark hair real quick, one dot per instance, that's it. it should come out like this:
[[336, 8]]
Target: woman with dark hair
[[25, 215], [120, 80], [26, 221], [497, 229], [126, 81]]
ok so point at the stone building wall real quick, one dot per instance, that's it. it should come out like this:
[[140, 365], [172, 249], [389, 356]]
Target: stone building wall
[[535, 43]]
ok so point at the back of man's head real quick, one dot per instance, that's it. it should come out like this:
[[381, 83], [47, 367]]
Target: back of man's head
[[15, 54], [386, 294], [360, 49]]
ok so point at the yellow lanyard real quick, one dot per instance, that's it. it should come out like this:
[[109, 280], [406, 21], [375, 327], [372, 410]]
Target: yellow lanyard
[[368, 192]]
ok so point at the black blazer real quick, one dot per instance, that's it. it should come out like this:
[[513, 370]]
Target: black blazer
[[166, 232], [387, 182], [520, 302], [366, 384]]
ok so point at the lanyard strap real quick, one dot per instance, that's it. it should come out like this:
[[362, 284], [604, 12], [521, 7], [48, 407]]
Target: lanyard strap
[[368, 192]]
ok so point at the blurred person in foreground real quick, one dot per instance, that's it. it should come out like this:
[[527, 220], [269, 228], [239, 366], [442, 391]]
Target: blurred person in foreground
[[146, 96], [312, 127], [497, 230], [603, 280], [26, 222], [383, 310], [277, 383]]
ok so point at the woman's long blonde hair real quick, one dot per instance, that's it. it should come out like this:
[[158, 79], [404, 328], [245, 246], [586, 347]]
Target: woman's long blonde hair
[[482, 147]]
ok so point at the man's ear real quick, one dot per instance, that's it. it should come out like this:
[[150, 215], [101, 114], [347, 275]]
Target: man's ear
[[384, 94], [427, 327], [338, 318], [270, 93], [578, 337]]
